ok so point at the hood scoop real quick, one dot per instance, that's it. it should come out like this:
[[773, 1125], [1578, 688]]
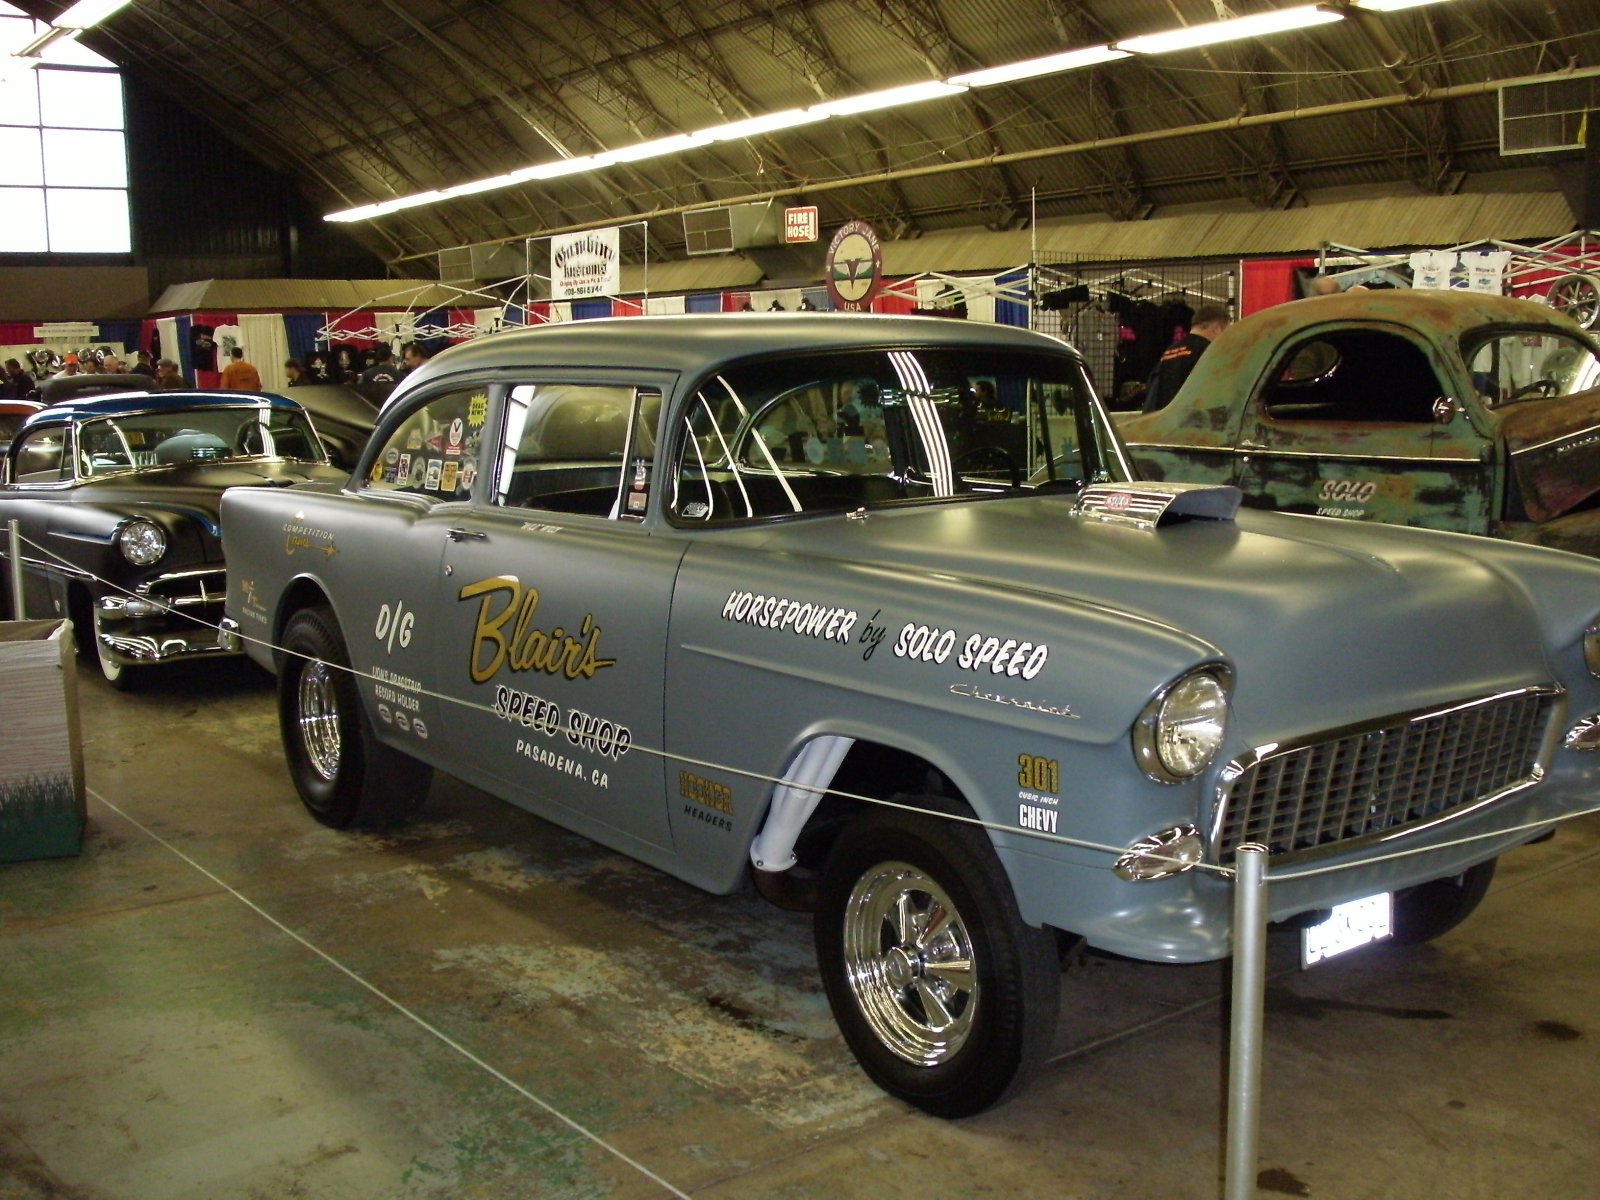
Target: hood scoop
[[1147, 505]]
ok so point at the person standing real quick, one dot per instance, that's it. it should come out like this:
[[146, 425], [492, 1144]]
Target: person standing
[[378, 380], [1180, 358], [296, 373], [239, 375], [169, 378], [17, 384], [412, 356]]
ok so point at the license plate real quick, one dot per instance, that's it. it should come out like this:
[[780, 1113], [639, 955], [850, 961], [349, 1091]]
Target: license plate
[[1351, 924]]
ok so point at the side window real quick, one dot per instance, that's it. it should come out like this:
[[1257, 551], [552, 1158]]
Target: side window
[[578, 448], [1531, 364], [1354, 375], [41, 456], [434, 451]]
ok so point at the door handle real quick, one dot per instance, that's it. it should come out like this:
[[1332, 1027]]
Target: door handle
[[1247, 445], [466, 535]]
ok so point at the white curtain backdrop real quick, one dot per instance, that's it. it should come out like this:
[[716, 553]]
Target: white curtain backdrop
[[664, 305], [167, 331], [266, 344]]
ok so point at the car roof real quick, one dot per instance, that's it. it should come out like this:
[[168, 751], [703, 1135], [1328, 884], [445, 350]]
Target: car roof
[[701, 342], [127, 404], [1449, 313]]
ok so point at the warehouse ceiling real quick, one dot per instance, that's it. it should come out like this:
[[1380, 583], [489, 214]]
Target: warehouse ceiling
[[368, 100]]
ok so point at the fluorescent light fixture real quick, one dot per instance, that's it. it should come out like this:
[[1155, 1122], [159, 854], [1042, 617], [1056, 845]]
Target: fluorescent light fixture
[[1210, 34], [86, 14], [52, 35], [1388, 6], [911, 93], [753, 126], [1050, 64], [651, 149]]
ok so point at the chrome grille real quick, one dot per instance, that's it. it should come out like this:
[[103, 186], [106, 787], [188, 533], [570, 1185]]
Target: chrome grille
[[188, 589], [1357, 783]]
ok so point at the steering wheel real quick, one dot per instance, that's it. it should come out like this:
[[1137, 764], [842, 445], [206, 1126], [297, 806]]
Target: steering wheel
[[999, 453], [242, 436], [1544, 387]]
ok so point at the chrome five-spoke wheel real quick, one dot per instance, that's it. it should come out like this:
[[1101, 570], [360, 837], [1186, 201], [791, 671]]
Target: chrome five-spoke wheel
[[909, 962]]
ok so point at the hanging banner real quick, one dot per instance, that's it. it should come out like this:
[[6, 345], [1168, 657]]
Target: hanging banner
[[853, 267], [583, 265]]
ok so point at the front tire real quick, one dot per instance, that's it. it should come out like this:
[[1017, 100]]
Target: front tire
[[344, 774], [1433, 909], [947, 998]]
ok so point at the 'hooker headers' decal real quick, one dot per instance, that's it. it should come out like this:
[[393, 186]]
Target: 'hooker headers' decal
[[527, 648]]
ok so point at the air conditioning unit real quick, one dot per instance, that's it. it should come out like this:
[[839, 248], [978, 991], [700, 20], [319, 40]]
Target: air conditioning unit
[[735, 227], [487, 263]]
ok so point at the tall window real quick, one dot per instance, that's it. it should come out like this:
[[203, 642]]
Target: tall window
[[63, 152]]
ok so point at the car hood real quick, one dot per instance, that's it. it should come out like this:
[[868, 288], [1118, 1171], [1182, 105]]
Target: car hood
[[195, 489], [1555, 452], [1320, 618]]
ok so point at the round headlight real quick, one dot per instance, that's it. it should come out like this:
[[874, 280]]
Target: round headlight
[[1591, 649], [1181, 730], [142, 542]]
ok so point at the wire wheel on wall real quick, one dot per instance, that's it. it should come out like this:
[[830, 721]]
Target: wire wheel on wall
[[1578, 296]]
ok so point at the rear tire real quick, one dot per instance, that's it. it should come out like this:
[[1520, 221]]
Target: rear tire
[[1433, 909], [344, 774], [946, 996]]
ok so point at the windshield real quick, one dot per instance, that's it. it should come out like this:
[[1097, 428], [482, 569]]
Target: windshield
[[158, 439], [805, 434], [1530, 364]]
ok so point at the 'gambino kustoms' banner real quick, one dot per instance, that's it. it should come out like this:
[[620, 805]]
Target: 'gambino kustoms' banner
[[585, 264]]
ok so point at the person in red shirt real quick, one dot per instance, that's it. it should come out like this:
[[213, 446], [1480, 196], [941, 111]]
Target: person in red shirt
[[240, 376]]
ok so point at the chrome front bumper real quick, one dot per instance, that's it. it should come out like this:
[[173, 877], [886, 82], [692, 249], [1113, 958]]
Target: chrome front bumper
[[169, 618]]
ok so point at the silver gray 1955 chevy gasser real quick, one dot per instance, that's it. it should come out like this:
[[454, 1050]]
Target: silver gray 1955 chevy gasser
[[705, 588]]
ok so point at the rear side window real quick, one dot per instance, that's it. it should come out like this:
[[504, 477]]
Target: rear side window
[[578, 448], [1355, 375]]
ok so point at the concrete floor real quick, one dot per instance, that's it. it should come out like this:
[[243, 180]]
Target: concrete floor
[[223, 999]]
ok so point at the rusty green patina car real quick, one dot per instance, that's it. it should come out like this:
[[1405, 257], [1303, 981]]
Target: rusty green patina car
[[1446, 410]]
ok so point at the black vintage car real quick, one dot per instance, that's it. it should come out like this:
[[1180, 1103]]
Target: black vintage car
[[117, 497]]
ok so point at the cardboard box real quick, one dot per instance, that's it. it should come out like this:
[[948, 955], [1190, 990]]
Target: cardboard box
[[42, 805]]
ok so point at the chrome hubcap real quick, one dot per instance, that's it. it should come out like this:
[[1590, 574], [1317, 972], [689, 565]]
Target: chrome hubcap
[[319, 719], [909, 962]]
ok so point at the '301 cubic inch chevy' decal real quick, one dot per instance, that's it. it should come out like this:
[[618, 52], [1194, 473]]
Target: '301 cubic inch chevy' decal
[[526, 648]]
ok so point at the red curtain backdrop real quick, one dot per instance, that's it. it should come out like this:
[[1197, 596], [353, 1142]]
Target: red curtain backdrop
[[1266, 282]]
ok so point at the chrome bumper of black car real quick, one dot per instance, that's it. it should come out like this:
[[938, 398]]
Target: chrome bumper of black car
[[169, 618]]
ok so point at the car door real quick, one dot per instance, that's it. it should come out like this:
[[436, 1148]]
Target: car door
[[381, 545], [1364, 423], [42, 477], [552, 612]]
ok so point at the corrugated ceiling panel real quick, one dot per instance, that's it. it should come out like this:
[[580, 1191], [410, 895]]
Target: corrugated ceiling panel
[[1367, 224]]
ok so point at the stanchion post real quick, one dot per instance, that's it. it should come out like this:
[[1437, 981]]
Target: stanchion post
[[1249, 998], [14, 550]]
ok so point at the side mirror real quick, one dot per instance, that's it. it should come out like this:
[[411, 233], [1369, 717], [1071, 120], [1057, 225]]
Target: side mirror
[[1445, 410]]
